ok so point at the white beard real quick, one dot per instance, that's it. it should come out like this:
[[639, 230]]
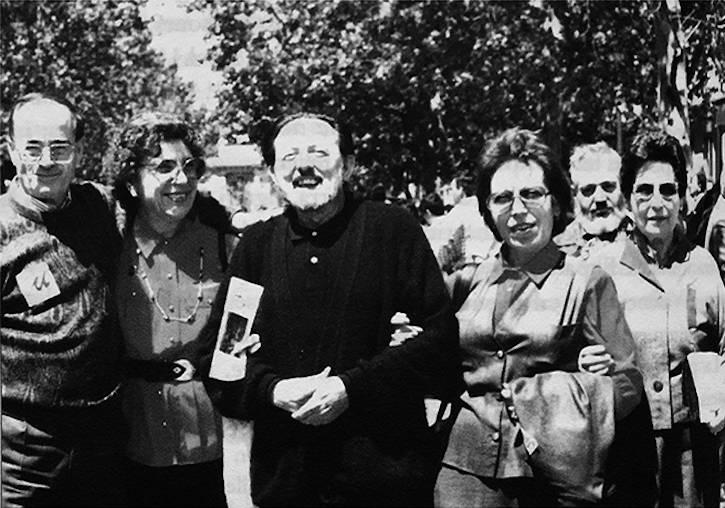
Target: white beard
[[302, 198], [600, 225]]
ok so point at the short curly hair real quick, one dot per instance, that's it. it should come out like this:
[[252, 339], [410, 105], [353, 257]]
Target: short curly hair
[[265, 131], [525, 146], [653, 144], [140, 140]]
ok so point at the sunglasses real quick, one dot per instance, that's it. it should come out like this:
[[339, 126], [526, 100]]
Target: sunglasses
[[667, 190], [503, 201], [192, 167], [589, 189]]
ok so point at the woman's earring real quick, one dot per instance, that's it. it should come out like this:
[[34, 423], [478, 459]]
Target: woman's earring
[[132, 190]]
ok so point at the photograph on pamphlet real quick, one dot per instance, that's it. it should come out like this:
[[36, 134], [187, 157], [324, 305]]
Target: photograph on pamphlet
[[229, 362]]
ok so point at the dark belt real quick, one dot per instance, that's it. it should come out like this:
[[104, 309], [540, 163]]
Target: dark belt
[[159, 371]]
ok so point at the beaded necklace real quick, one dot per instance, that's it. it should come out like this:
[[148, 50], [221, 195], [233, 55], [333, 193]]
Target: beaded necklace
[[152, 295]]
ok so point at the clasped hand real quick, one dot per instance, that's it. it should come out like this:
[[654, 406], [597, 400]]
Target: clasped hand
[[312, 400], [596, 360], [249, 345], [402, 329]]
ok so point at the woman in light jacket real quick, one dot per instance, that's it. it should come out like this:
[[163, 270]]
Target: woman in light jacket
[[531, 430], [674, 303]]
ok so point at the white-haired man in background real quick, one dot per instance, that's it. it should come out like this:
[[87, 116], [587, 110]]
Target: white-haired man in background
[[599, 206]]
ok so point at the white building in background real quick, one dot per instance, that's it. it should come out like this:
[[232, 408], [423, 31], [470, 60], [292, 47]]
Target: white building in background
[[238, 179]]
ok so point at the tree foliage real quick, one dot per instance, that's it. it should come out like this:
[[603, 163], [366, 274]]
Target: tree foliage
[[423, 84], [96, 54]]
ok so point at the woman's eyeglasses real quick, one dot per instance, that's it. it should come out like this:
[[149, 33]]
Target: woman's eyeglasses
[[645, 191], [503, 201], [589, 189], [192, 167]]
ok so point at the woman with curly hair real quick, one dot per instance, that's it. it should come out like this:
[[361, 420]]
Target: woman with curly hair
[[170, 268]]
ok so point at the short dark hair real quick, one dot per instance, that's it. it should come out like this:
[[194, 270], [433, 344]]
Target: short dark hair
[[525, 146], [653, 144], [140, 140], [265, 132], [78, 123]]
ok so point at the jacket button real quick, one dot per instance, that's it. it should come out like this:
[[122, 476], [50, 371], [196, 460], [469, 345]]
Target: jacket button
[[495, 437], [499, 354], [657, 385]]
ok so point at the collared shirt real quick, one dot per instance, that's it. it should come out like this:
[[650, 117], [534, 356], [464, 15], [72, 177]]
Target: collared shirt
[[512, 281], [518, 322], [313, 258], [170, 423], [28, 202], [673, 310]]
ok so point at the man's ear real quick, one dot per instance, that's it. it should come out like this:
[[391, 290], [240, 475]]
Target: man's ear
[[348, 165], [13, 152], [273, 176], [78, 153]]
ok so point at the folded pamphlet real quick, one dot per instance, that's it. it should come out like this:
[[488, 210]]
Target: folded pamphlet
[[229, 362]]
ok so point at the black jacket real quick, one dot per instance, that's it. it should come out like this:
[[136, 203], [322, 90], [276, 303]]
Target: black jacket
[[380, 450]]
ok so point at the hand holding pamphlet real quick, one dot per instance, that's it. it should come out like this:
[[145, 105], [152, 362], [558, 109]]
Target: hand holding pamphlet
[[235, 340]]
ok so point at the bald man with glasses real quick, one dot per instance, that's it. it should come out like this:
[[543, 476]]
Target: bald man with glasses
[[61, 419]]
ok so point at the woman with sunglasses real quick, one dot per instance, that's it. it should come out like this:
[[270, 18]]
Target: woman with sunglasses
[[674, 303], [170, 268], [530, 429]]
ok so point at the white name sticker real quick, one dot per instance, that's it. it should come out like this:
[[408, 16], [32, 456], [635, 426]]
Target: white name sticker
[[37, 283]]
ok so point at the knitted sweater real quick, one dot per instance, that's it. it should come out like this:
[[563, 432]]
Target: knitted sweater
[[62, 351]]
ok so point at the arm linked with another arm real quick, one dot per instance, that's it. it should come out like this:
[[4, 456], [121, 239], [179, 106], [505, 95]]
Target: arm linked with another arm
[[604, 324]]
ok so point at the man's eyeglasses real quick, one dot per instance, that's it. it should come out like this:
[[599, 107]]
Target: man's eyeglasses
[[645, 191], [57, 152], [589, 189], [503, 201], [193, 167]]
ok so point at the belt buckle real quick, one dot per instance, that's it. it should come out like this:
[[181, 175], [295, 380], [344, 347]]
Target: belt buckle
[[183, 370]]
